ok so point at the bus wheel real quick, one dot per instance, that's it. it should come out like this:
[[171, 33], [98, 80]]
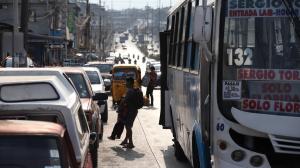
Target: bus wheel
[[196, 162], [179, 154]]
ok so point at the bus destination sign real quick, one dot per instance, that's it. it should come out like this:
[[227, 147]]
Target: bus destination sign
[[261, 8]]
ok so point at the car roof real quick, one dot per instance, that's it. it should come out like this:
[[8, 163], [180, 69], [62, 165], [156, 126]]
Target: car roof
[[72, 69], [126, 66], [98, 62], [90, 69], [26, 127], [55, 77]]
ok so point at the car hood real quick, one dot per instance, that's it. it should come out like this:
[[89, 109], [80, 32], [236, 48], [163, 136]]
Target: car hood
[[106, 75], [86, 103], [97, 88]]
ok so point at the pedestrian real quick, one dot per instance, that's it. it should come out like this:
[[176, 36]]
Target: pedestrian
[[119, 125], [151, 84], [130, 101]]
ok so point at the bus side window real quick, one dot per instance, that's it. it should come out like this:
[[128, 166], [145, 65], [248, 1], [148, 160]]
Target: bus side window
[[195, 53], [172, 41], [195, 60], [188, 34], [179, 40], [175, 39]]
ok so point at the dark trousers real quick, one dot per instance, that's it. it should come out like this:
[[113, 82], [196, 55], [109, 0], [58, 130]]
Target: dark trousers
[[118, 129], [150, 92]]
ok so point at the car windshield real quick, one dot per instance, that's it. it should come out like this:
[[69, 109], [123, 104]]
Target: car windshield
[[28, 152], [123, 73], [80, 84], [261, 58], [94, 77]]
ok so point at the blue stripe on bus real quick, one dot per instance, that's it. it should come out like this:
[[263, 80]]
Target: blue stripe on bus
[[200, 146]]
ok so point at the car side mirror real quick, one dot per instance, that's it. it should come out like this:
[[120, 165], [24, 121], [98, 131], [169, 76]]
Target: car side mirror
[[100, 96], [93, 137]]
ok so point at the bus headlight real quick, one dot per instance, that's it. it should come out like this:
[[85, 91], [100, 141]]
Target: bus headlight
[[238, 155], [222, 145], [256, 161]]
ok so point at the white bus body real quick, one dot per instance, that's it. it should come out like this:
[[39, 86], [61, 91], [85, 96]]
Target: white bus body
[[230, 84]]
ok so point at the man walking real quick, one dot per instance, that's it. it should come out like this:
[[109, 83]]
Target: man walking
[[151, 84], [130, 101]]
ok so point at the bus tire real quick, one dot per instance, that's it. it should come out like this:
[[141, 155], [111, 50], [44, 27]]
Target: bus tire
[[179, 153], [196, 161]]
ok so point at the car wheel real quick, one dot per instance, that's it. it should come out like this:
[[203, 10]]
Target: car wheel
[[94, 154], [101, 132]]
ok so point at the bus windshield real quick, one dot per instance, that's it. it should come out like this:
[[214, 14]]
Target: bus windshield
[[260, 57]]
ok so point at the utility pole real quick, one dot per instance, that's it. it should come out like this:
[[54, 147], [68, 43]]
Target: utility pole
[[15, 30], [24, 21], [100, 31], [159, 8], [88, 25]]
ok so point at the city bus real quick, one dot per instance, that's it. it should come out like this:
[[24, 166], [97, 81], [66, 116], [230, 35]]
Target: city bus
[[230, 82]]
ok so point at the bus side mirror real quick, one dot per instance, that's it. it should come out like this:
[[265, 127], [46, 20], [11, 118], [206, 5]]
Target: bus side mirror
[[203, 18]]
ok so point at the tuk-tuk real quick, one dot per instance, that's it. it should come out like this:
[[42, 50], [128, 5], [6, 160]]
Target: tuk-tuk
[[119, 75]]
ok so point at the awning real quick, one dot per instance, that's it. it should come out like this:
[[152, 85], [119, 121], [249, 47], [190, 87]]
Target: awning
[[46, 37]]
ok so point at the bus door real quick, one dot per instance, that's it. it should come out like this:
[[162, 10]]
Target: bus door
[[205, 86], [165, 116]]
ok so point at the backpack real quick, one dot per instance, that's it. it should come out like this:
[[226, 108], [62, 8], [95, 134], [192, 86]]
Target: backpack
[[139, 98]]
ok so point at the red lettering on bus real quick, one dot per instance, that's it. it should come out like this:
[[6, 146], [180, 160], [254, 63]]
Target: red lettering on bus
[[256, 105], [276, 88], [297, 107], [253, 74]]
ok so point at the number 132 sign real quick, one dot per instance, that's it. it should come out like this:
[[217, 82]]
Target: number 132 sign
[[239, 56]]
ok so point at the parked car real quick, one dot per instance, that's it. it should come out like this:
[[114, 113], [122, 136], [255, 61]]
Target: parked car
[[105, 70], [98, 87], [8, 62], [47, 94], [89, 104], [38, 144]]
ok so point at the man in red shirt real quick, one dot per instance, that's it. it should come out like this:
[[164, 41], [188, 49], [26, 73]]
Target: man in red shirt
[[151, 84]]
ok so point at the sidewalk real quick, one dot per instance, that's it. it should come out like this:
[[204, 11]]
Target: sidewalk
[[153, 145]]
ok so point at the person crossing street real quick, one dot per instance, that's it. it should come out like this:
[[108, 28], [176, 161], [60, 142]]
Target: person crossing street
[[151, 84]]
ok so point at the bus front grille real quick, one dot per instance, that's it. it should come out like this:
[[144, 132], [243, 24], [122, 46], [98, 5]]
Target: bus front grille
[[283, 144]]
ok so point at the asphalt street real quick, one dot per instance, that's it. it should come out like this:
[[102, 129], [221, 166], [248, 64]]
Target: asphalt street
[[153, 145]]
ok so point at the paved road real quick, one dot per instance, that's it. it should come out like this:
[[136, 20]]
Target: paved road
[[153, 145]]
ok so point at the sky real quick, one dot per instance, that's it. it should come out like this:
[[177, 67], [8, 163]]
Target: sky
[[124, 4]]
